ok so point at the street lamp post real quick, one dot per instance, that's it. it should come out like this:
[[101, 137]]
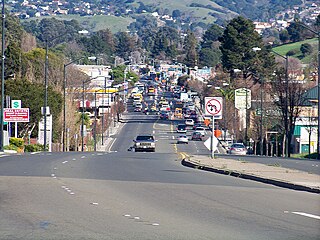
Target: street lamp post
[[102, 118], [64, 99], [318, 34], [261, 116], [2, 77], [287, 140], [95, 122], [82, 112], [46, 84]]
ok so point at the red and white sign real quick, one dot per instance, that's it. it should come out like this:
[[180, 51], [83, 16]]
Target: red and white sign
[[16, 115], [213, 107]]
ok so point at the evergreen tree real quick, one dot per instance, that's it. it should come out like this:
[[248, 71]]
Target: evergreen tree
[[237, 47], [190, 48]]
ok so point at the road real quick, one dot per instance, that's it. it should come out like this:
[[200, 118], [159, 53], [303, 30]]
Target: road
[[121, 194]]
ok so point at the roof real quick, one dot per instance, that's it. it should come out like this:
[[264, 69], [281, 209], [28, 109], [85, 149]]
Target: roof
[[311, 96]]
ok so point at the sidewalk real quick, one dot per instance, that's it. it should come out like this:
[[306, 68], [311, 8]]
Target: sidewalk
[[275, 175], [108, 139]]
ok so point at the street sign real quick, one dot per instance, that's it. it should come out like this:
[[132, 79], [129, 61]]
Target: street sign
[[206, 122], [242, 98], [16, 115], [208, 144], [16, 104], [213, 107]]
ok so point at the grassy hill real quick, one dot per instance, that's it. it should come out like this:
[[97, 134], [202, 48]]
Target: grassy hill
[[284, 49], [98, 22], [201, 10]]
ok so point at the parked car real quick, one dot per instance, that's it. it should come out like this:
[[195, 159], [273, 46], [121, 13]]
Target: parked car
[[238, 149], [201, 130], [197, 136], [183, 139], [181, 128]]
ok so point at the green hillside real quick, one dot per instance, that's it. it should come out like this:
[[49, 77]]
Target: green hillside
[[201, 10], [98, 22], [284, 49]]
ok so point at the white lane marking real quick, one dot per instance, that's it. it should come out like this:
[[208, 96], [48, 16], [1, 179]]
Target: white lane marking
[[64, 162], [113, 141], [73, 159], [83, 157], [127, 215], [153, 132], [94, 203], [307, 215], [137, 218], [155, 224]]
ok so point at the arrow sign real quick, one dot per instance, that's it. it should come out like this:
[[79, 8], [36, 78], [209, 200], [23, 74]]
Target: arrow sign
[[207, 143]]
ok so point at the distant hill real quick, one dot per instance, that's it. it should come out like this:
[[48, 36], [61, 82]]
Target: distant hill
[[208, 10], [184, 12], [295, 47]]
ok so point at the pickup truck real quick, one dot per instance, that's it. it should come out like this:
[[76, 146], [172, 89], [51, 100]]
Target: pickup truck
[[144, 143]]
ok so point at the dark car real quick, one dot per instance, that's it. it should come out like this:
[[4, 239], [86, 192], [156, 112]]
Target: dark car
[[164, 115], [197, 136], [181, 128], [196, 125]]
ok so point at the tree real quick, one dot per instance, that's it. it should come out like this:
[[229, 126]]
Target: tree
[[306, 49], [237, 47], [190, 48], [295, 31], [284, 36], [213, 33], [290, 97], [209, 57], [209, 54], [166, 43], [176, 13], [125, 44], [32, 95]]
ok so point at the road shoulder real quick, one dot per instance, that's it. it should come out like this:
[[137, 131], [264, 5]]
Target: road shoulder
[[270, 174]]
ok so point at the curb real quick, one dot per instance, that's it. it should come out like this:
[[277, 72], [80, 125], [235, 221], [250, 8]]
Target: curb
[[277, 183]]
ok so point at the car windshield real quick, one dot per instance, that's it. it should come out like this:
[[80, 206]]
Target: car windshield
[[144, 138], [237, 146], [181, 126]]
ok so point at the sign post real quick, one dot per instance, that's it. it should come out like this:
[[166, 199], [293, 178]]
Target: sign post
[[213, 107], [16, 104]]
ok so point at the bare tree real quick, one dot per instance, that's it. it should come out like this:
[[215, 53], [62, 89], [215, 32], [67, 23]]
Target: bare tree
[[289, 93]]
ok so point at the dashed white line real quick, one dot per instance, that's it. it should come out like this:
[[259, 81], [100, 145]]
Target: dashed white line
[[307, 215]]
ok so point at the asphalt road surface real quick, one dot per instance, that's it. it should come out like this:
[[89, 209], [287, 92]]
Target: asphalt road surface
[[122, 194]]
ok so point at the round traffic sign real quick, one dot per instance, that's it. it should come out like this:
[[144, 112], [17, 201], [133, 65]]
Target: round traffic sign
[[213, 107]]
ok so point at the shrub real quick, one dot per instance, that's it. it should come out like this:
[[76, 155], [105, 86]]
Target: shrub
[[33, 148], [10, 147], [293, 52], [18, 142]]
